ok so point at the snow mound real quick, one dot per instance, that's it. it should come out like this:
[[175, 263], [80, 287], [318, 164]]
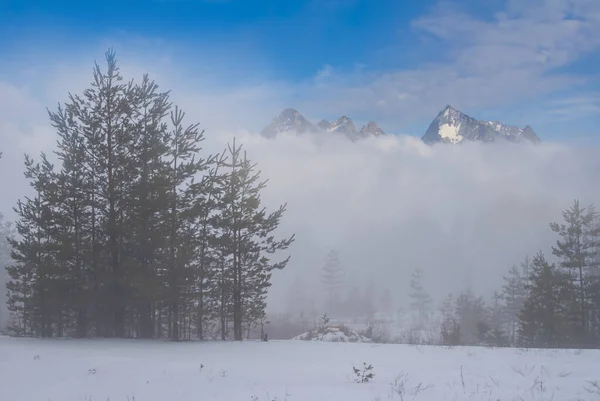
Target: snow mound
[[340, 334]]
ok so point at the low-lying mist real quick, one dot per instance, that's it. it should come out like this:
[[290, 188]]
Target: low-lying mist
[[464, 214]]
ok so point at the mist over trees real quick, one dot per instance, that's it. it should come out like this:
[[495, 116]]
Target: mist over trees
[[561, 307], [136, 233], [420, 300], [333, 281], [542, 303], [6, 232], [539, 303]]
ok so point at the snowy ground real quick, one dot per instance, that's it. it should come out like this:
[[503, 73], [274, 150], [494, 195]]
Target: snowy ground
[[120, 370]]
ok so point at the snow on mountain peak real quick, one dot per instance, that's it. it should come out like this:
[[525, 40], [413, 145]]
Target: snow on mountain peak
[[291, 120], [371, 129], [343, 125], [449, 126], [449, 111], [453, 126]]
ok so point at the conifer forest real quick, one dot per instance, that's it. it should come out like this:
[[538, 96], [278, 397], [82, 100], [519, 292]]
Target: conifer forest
[[135, 232]]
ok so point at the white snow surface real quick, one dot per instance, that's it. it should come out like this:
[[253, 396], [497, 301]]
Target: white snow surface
[[121, 370], [450, 132]]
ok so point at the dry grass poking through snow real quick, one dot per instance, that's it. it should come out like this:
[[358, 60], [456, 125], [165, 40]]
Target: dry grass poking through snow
[[121, 370]]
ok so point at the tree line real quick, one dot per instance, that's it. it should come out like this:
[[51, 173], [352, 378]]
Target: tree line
[[542, 303], [135, 232]]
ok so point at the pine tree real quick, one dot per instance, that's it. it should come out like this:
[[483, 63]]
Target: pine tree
[[72, 213], [6, 233], [112, 144], [332, 279], [420, 301], [577, 250], [208, 194], [181, 215], [493, 334], [146, 205], [33, 272], [81, 151], [593, 279], [386, 302], [111, 114], [248, 240], [448, 308], [471, 317], [514, 294], [135, 234], [544, 318]]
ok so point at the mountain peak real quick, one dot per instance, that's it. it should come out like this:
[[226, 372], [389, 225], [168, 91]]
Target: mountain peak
[[371, 129], [453, 126], [449, 126], [450, 112], [343, 125], [530, 135], [290, 120], [289, 113], [448, 108]]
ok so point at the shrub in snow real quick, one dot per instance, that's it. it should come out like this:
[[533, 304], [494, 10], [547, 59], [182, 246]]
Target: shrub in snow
[[450, 333], [593, 387], [269, 398], [363, 375], [324, 324]]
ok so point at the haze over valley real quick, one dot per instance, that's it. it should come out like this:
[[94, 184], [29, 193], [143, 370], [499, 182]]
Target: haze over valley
[[302, 200]]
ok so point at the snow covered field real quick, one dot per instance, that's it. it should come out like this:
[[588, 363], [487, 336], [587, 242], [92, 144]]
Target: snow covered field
[[121, 370]]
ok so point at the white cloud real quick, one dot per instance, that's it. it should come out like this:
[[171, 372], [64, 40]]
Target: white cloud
[[493, 63], [387, 204], [391, 204], [516, 56]]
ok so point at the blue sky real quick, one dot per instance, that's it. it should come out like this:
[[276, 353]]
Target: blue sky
[[397, 62], [295, 37]]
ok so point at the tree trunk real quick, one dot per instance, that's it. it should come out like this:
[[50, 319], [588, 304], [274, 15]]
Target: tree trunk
[[175, 333], [146, 327]]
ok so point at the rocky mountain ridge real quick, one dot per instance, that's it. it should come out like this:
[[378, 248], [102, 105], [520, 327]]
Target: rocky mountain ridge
[[449, 126], [454, 127], [290, 120]]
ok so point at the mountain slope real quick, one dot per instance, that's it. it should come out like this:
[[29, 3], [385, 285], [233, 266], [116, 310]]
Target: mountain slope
[[371, 129], [452, 126], [291, 120], [288, 121], [449, 126]]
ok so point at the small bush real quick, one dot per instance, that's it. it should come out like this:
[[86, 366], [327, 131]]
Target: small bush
[[363, 375], [450, 333]]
